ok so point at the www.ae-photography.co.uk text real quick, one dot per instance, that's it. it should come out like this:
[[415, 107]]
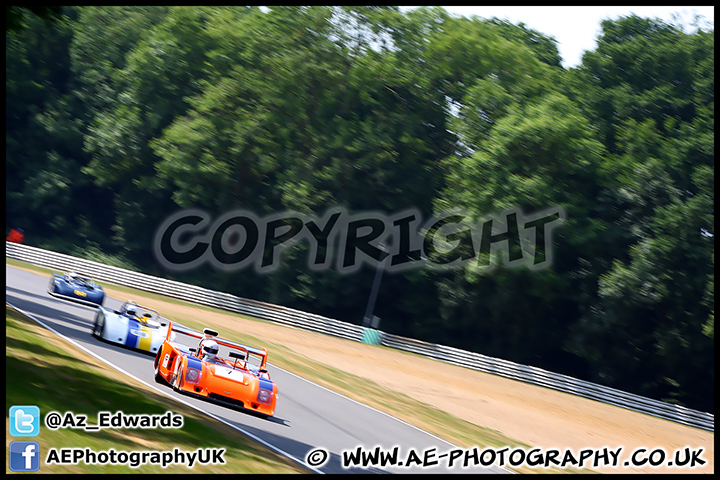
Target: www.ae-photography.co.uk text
[[240, 239]]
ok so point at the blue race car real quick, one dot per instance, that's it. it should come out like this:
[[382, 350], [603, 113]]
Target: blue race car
[[76, 288]]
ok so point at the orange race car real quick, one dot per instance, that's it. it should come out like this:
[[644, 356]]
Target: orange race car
[[241, 382]]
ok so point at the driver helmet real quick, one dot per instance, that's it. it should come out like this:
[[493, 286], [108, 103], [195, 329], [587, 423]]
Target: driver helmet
[[131, 310], [210, 349]]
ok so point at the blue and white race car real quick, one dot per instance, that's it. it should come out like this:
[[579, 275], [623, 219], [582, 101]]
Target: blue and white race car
[[132, 326], [77, 288]]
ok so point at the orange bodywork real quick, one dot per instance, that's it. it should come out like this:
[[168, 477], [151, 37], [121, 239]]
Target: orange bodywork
[[228, 382]]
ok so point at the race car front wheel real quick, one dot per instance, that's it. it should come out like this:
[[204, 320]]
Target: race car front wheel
[[177, 379], [95, 331], [159, 378]]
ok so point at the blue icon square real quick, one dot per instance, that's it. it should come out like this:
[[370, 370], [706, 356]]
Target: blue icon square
[[24, 456], [24, 421]]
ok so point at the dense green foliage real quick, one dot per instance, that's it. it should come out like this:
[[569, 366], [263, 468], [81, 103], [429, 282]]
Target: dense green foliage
[[117, 117]]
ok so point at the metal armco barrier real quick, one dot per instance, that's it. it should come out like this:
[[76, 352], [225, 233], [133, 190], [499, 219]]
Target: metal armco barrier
[[348, 331]]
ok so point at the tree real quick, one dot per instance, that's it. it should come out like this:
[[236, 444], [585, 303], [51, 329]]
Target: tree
[[538, 155], [647, 87], [155, 60], [16, 17], [45, 191]]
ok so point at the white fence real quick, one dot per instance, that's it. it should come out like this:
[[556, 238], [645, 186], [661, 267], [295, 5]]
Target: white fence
[[337, 328]]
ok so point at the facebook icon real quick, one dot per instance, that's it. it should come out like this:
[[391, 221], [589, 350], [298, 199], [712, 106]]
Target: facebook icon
[[24, 456]]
